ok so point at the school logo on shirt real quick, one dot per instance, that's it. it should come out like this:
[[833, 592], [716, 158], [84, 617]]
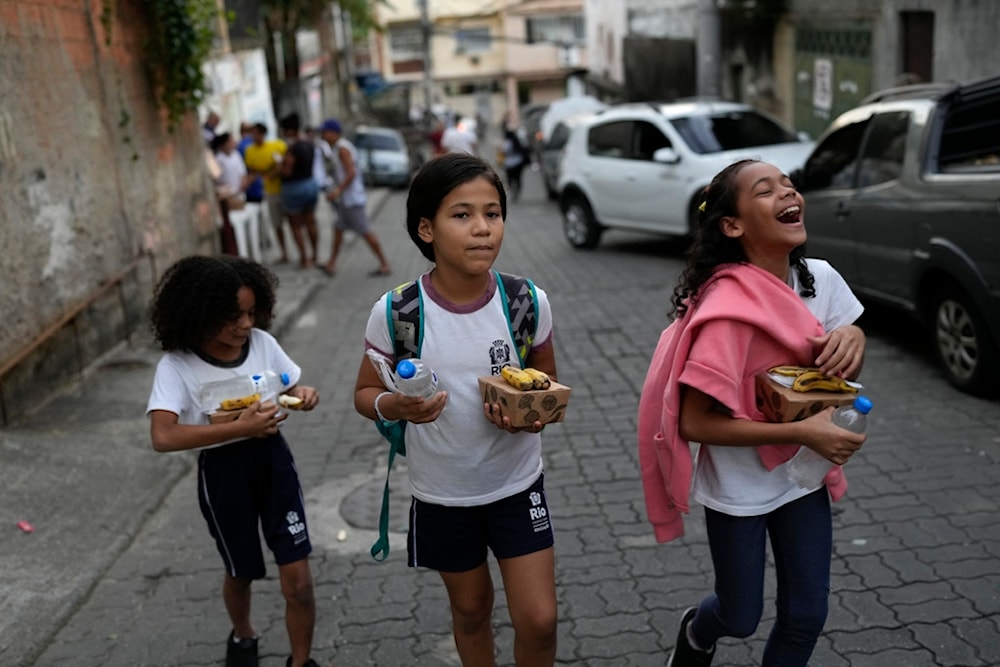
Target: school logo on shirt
[[499, 355], [296, 527], [538, 513]]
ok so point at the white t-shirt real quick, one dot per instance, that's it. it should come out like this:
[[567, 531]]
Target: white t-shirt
[[179, 376], [462, 459], [355, 194], [233, 170], [459, 140], [733, 480]]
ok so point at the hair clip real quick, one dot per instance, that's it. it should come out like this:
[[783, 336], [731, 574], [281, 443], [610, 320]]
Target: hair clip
[[702, 206]]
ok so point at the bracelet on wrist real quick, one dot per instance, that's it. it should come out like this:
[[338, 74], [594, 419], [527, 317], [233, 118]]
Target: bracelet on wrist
[[378, 412]]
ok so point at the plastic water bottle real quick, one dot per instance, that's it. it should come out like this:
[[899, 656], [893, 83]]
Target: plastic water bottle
[[267, 383], [415, 378], [807, 468]]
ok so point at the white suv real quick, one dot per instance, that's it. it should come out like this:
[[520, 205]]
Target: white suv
[[643, 166]]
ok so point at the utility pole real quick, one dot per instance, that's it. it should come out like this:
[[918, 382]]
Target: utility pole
[[425, 30], [708, 49]]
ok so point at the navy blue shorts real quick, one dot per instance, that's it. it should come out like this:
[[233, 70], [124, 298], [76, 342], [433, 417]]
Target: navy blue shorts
[[456, 539], [246, 484]]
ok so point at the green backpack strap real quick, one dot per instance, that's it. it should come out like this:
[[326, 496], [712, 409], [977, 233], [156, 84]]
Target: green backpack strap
[[405, 319], [520, 304]]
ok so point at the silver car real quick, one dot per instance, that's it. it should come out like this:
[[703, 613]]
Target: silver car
[[903, 198], [384, 156]]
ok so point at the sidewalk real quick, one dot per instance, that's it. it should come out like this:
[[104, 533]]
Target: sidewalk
[[87, 445]]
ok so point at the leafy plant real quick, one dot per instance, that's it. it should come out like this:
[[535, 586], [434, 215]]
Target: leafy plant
[[181, 34]]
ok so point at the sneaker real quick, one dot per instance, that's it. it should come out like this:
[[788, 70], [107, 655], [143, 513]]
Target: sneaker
[[242, 653], [684, 655], [308, 663]]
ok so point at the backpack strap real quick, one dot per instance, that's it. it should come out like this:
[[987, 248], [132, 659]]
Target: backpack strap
[[405, 318], [520, 304]]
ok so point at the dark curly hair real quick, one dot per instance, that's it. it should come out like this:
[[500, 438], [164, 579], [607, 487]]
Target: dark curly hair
[[196, 298], [433, 183], [711, 248]]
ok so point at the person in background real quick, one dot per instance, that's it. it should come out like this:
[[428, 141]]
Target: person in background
[[262, 157], [254, 191], [514, 157], [299, 190], [459, 139], [233, 181], [210, 127], [747, 262], [349, 198]]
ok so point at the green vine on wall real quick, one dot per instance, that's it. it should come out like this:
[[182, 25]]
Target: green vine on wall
[[181, 34]]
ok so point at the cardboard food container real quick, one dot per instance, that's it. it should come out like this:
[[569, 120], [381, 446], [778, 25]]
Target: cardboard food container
[[222, 416], [783, 404], [524, 408]]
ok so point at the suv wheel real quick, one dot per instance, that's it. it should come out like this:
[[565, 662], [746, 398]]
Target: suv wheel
[[579, 225], [962, 342]]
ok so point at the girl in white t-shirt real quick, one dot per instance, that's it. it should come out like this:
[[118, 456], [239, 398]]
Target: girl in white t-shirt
[[747, 301], [210, 315], [476, 480]]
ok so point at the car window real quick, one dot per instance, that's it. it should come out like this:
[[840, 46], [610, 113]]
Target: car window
[[834, 162], [559, 136], [610, 139], [970, 140], [730, 131], [882, 157], [647, 140], [380, 142]]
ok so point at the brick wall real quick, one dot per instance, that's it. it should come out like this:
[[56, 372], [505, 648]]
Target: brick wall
[[90, 178]]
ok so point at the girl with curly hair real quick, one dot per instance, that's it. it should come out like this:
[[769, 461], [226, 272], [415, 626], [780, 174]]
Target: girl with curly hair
[[749, 300], [209, 314]]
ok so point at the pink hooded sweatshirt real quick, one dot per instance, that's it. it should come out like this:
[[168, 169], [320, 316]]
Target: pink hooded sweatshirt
[[745, 321]]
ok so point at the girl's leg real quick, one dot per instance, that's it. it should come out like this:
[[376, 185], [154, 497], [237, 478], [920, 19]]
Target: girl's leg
[[297, 222], [530, 585], [239, 220], [738, 549], [802, 541], [300, 608], [312, 232], [253, 230], [471, 596], [236, 595]]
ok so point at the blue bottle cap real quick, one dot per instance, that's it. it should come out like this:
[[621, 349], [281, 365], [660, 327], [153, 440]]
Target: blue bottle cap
[[285, 379], [863, 404], [406, 369]]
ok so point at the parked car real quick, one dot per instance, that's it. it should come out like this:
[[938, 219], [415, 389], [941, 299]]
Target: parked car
[[563, 108], [384, 156], [644, 166], [903, 198], [551, 153]]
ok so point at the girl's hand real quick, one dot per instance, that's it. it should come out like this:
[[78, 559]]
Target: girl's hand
[[309, 396], [833, 443], [841, 351], [492, 413], [261, 419], [418, 410]]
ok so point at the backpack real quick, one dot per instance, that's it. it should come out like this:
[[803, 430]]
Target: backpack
[[405, 319]]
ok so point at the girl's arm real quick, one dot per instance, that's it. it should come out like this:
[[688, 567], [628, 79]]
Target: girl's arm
[[256, 421], [701, 420], [841, 351], [393, 406]]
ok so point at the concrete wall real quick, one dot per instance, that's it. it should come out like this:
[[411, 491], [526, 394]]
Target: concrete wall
[[965, 34], [91, 179]]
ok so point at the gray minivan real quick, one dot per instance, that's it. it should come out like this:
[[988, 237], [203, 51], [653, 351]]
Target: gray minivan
[[903, 198]]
